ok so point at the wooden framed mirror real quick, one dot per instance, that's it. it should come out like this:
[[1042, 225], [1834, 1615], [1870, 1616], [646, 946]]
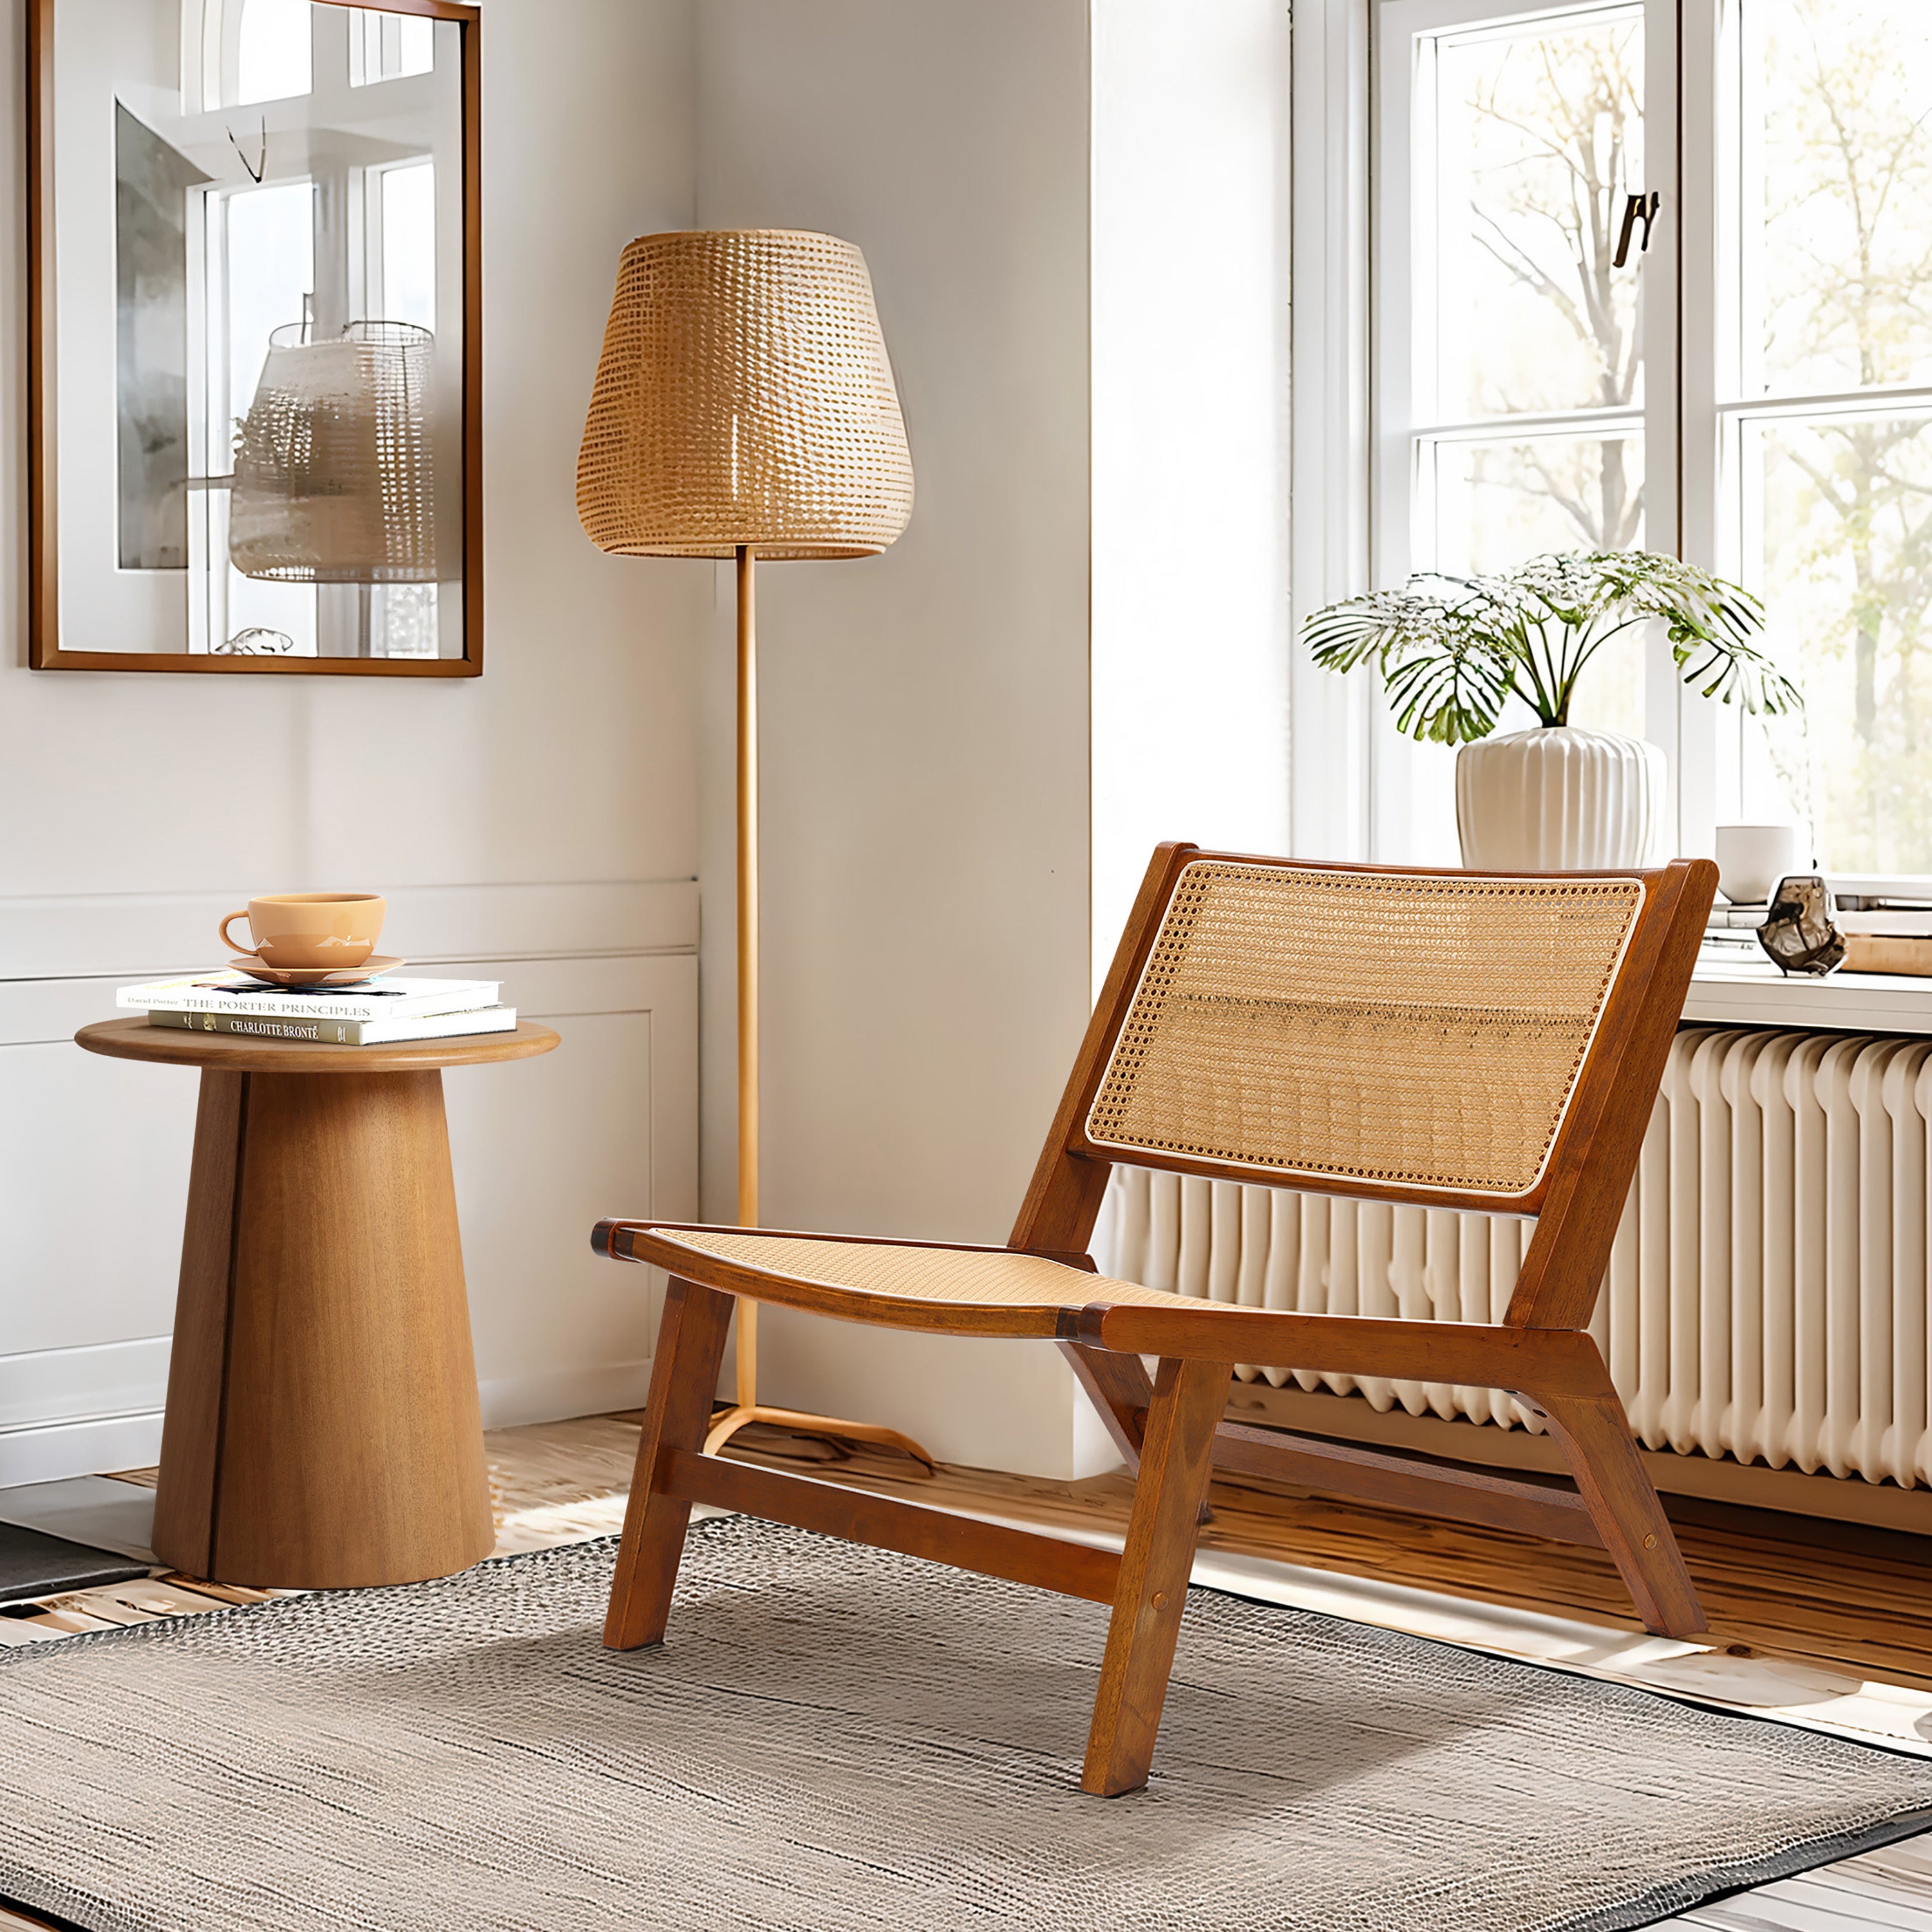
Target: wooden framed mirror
[[255, 291]]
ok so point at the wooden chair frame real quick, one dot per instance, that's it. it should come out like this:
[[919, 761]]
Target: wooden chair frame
[[1170, 1426]]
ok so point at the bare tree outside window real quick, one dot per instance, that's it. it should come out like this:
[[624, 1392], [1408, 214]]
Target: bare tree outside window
[[1835, 269], [1797, 354], [1539, 143]]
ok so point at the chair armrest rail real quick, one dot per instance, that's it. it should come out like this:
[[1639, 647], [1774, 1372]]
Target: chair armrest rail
[[1553, 1361]]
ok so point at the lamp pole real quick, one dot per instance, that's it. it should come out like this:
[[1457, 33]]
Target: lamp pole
[[747, 954]]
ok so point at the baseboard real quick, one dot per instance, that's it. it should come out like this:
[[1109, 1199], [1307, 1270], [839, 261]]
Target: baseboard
[[1350, 1418], [49, 1446], [80, 1411], [559, 1394], [50, 1452]]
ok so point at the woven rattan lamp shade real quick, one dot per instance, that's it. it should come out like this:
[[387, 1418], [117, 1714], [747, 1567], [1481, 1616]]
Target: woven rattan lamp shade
[[744, 397]]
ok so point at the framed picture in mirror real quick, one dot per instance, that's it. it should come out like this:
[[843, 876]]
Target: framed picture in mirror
[[254, 337]]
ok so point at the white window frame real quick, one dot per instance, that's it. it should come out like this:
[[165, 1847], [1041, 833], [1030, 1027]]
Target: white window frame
[[1356, 786], [1718, 415], [1332, 744]]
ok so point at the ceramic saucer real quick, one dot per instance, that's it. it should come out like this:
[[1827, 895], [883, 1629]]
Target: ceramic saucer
[[253, 965]]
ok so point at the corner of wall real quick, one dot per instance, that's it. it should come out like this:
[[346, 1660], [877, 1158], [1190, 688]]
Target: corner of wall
[[926, 821]]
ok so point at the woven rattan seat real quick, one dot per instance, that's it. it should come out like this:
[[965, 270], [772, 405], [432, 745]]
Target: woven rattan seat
[[1448, 1039], [1001, 1292]]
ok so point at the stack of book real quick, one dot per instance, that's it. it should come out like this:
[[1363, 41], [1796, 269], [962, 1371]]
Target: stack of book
[[1731, 934], [379, 1012]]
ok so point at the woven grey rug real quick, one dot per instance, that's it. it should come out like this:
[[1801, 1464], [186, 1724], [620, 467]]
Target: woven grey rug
[[835, 1738]]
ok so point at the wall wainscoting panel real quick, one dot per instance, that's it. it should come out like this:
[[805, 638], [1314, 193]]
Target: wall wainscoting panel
[[93, 1161], [124, 934]]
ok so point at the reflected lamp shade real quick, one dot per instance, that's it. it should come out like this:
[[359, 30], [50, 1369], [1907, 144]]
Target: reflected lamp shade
[[744, 398], [334, 477]]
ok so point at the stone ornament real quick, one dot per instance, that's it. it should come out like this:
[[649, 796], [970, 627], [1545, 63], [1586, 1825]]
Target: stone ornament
[[1799, 934]]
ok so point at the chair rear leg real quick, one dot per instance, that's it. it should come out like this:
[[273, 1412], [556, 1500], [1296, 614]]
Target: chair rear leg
[[1594, 1435], [691, 1346], [1118, 1387], [1177, 1456]]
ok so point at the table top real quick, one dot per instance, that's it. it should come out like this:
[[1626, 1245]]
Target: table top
[[136, 1040]]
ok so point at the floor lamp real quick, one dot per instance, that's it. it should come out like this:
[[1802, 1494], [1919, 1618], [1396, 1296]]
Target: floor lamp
[[744, 408]]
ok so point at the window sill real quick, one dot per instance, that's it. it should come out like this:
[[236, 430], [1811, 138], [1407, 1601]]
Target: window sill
[[1733, 992]]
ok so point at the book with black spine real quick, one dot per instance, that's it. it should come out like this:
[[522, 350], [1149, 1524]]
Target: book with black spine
[[383, 1032], [389, 997]]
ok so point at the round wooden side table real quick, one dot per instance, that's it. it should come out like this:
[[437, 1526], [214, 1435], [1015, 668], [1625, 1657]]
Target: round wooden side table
[[322, 1430]]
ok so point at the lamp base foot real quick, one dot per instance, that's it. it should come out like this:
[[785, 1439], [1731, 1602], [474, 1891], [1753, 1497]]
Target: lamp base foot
[[726, 1423]]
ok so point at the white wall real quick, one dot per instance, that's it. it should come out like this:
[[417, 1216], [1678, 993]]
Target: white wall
[[1190, 436], [547, 810], [925, 732], [954, 811]]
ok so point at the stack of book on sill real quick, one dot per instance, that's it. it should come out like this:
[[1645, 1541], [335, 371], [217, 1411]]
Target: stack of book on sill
[[377, 1013], [1880, 936], [1731, 935]]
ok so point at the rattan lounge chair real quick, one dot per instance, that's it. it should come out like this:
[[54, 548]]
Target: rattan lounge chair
[[1451, 1039]]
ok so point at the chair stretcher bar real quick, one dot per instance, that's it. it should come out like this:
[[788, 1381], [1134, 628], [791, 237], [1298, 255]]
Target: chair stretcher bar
[[857, 1516], [1549, 1508]]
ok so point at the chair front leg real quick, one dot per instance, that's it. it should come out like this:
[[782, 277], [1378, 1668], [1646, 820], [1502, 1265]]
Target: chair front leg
[[1177, 1457], [1594, 1433], [684, 1375]]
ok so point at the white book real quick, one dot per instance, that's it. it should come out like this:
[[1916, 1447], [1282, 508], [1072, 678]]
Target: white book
[[384, 1032], [231, 992]]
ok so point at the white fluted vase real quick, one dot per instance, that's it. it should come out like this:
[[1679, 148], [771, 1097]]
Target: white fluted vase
[[1558, 800]]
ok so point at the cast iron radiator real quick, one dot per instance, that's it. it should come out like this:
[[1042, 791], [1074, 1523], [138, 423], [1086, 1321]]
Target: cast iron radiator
[[1766, 1297]]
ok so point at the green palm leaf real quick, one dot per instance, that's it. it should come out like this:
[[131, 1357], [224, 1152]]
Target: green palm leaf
[[1452, 651]]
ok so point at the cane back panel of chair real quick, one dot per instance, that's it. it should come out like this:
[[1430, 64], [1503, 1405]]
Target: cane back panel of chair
[[1418, 1031]]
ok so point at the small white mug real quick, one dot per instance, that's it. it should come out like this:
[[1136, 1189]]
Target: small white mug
[[1751, 859]]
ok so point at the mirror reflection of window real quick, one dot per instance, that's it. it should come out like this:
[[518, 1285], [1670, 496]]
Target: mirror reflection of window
[[262, 252], [273, 51], [408, 257], [403, 276], [284, 171], [348, 245], [389, 46]]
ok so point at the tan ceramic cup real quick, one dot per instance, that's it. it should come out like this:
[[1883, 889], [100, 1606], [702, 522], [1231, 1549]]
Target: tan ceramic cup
[[309, 929]]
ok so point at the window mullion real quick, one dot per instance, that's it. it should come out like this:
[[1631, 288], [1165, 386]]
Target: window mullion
[[1330, 768], [1704, 760]]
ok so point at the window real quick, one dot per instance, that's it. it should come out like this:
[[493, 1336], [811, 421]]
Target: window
[[1823, 409], [1655, 273]]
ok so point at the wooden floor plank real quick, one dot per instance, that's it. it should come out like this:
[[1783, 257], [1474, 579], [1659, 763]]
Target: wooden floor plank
[[1852, 1896], [1869, 1613]]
